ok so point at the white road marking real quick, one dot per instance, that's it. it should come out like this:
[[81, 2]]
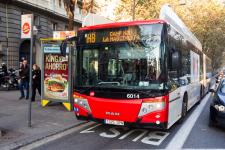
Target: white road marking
[[89, 129], [179, 139], [54, 137], [143, 132], [155, 138], [114, 131], [148, 137]]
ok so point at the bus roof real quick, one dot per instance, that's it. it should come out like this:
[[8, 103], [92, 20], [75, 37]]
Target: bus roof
[[122, 24], [171, 18]]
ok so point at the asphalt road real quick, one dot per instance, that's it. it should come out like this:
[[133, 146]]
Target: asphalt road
[[100, 136], [205, 137]]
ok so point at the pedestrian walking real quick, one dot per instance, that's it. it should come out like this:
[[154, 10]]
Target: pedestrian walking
[[36, 80], [24, 79]]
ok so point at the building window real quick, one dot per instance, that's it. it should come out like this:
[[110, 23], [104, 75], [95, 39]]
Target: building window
[[54, 26], [58, 3], [66, 27], [36, 20], [80, 11]]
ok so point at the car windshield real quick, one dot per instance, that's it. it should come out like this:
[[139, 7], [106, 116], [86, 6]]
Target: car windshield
[[125, 64]]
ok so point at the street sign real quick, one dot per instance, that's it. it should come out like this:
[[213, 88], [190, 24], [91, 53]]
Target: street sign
[[26, 27], [27, 33]]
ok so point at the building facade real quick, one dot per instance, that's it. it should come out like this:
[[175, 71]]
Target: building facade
[[49, 16]]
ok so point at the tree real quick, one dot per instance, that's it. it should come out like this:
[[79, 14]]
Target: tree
[[90, 6], [87, 6], [205, 18], [69, 6]]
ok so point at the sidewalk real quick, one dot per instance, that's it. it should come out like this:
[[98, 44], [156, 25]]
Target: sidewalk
[[45, 121]]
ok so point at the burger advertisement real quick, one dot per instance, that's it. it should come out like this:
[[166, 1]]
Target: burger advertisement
[[26, 28], [26, 21], [56, 76]]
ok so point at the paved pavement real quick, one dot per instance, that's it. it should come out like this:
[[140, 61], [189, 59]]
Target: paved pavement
[[99, 136], [45, 121]]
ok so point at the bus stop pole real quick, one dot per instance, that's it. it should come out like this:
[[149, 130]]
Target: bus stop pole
[[30, 82]]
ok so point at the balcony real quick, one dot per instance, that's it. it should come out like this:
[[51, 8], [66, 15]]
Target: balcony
[[52, 6]]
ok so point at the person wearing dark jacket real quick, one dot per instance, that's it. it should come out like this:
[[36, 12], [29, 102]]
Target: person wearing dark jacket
[[4, 69], [36, 80], [24, 79]]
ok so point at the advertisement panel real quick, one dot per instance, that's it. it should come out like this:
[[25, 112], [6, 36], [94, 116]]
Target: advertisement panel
[[56, 71], [195, 67], [63, 34], [26, 26]]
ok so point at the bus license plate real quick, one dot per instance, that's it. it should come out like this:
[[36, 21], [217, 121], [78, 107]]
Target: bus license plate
[[114, 122]]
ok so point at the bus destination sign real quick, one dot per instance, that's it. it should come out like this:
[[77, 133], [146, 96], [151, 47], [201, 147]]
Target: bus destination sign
[[130, 34]]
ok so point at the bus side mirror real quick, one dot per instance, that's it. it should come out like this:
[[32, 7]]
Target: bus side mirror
[[175, 60], [63, 47]]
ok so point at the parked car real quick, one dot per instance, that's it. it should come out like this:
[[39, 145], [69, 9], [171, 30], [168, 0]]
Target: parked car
[[217, 107]]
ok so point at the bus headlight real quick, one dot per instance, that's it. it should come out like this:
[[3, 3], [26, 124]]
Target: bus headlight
[[150, 107], [82, 103]]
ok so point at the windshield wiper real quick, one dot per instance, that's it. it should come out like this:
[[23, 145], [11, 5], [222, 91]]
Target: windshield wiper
[[112, 83], [142, 92], [91, 87]]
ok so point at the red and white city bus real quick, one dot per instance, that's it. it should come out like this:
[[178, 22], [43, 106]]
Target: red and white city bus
[[142, 73]]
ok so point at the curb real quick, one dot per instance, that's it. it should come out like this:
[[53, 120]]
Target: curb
[[19, 144]]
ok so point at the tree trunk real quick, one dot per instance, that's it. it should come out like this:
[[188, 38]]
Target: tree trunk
[[71, 21]]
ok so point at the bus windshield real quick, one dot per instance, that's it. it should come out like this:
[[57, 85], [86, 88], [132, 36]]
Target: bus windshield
[[134, 64]]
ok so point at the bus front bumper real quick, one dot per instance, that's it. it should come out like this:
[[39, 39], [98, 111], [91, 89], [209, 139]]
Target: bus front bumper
[[138, 124]]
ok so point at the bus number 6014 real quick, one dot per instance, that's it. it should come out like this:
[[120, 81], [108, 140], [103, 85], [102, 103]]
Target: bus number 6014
[[133, 95]]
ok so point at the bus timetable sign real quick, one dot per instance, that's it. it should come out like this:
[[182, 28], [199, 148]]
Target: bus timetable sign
[[26, 26]]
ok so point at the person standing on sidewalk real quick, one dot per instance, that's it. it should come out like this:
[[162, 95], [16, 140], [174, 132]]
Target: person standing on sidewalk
[[36, 80], [24, 79]]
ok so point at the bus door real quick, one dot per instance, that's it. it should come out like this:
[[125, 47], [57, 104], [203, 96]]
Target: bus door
[[175, 100]]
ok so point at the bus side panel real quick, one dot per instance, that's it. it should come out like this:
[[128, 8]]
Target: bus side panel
[[193, 94], [175, 106]]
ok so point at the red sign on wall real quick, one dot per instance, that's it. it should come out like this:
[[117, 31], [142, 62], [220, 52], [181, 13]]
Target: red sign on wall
[[26, 21], [26, 28]]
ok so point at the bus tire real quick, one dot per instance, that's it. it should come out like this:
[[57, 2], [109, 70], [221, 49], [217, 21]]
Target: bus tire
[[184, 108]]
